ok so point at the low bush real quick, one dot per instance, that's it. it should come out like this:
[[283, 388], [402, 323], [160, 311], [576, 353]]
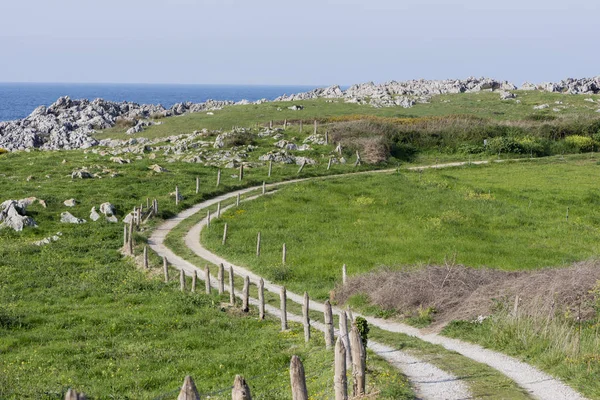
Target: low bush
[[580, 144]]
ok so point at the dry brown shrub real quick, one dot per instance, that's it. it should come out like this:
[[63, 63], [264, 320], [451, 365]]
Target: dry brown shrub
[[459, 292], [124, 123]]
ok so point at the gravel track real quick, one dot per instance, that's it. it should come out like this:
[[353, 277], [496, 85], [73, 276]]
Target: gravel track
[[429, 381]]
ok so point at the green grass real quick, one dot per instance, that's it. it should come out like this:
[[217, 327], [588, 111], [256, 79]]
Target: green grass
[[509, 215], [75, 313], [483, 104]]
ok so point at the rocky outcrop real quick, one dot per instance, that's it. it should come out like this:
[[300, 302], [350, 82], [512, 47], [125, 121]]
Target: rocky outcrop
[[12, 214]]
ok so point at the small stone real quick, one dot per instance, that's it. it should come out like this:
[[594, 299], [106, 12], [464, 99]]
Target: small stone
[[94, 216], [70, 202], [69, 218]]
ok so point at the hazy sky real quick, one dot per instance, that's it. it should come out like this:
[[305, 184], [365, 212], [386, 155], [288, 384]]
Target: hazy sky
[[296, 42]]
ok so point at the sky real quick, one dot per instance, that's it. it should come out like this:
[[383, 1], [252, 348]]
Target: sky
[[283, 42]]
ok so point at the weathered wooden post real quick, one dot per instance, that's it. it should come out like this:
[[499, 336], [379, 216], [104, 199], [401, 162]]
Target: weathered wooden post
[[240, 390], [298, 379], [358, 362], [329, 164], [340, 380], [237, 200], [301, 167], [326, 137], [231, 287], [218, 177], [241, 171], [207, 279], [306, 317], [344, 274], [176, 195], [197, 184], [264, 188], [261, 299], [188, 390], [283, 306], [246, 295], [258, 245], [221, 278], [224, 234], [349, 314], [284, 254], [271, 124], [345, 338], [155, 207], [194, 281], [130, 239], [166, 269], [357, 163], [219, 210], [315, 130], [300, 126], [182, 280], [515, 312], [285, 123], [208, 219], [270, 167], [145, 257], [328, 315]]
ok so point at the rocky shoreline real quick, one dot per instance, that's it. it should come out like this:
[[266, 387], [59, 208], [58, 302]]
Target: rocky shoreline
[[69, 124]]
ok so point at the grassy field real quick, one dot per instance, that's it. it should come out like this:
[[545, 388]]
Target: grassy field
[[507, 215], [483, 104], [75, 313]]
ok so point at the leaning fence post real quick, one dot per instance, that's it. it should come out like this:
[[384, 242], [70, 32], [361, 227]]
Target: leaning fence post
[[340, 380], [182, 280], [284, 254], [218, 177], [231, 287], [283, 306], [145, 257], [298, 379], [221, 278], [130, 238], [344, 335], [328, 314], [207, 279], [240, 390], [124, 236], [329, 164], [301, 167], [344, 274], [261, 299], [306, 317], [358, 362], [194, 281], [258, 245], [224, 234], [166, 269], [246, 295], [188, 390]]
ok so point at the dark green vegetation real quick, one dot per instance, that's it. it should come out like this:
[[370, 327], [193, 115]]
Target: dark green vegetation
[[75, 313], [506, 215]]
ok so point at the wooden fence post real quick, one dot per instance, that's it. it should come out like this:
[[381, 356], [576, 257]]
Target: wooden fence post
[[315, 130], [326, 138], [176, 195], [219, 210], [358, 162], [188, 390], [285, 123], [130, 238], [329, 164], [264, 188], [197, 184], [358, 362], [340, 380], [224, 234], [283, 306], [166, 269], [345, 338], [182, 280], [155, 207], [241, 171], [145, 257], [284, 254], [231, 287], [271, 124], [240, 390], [298, 379], [270, 167], [300, 126], [218, 177], [261, 299], [350, 316], [258, 245], [246, 295], [124, 236], [207, 279], [208, 219], [328, 314], [221, 278], [237, 200], [344, 274], [301, 167], [306, 317], [194, 281]]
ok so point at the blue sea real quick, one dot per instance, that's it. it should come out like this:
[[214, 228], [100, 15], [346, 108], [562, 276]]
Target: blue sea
[[18, 100]]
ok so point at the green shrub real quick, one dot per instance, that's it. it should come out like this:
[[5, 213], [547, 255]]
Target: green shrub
[[504, 144], [363, 329], [3, 151], [581, 144], [471, 149]]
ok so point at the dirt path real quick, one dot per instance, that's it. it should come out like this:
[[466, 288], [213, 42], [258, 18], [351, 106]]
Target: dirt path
[[539, 384]]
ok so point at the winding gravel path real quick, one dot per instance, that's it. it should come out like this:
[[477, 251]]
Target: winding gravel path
[[429, 381]]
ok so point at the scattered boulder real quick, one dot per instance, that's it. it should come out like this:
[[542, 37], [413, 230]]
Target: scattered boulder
[[504, 95], [107, 209], [48, 240], [94, 216], [12, 215], [120, 160], [68, 218], [81, 174], [296, 107], [157, 168], [541, 107], [70, 202]]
